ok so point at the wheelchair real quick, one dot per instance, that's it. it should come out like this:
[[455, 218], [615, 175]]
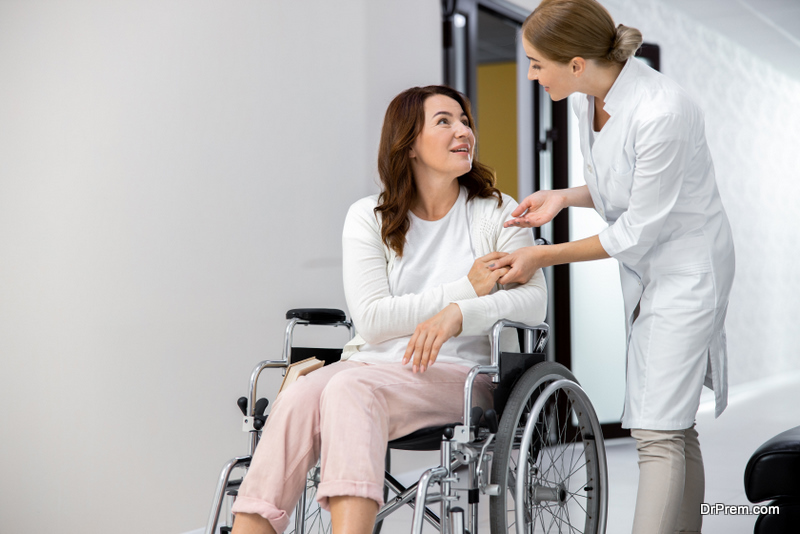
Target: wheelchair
[[538, 454]]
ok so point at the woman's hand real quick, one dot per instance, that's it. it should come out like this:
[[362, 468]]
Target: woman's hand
[[537, 209], [482, 277], [430, 335], [521, 264]]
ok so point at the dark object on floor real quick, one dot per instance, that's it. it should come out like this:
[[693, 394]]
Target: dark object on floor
[[773, 472]]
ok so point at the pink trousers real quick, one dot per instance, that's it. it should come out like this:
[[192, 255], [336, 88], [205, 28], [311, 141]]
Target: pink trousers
[[344, 414]]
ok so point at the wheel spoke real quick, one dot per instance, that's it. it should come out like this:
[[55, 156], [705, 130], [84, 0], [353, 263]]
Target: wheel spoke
[[558, 465]]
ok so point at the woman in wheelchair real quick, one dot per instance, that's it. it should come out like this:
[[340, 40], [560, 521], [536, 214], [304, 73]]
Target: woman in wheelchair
[[423, 298]]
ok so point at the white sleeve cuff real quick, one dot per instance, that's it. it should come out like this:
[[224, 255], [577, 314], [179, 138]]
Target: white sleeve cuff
[[472, 318], [461, 289]]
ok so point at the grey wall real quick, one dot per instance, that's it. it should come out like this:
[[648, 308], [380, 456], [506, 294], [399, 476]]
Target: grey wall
[[173, 177]]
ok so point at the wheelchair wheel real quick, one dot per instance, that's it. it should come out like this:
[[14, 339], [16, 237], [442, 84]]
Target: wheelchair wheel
[[563, 486], [317, 520]]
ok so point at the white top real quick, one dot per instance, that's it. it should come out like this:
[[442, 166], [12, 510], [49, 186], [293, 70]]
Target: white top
[[651, 177], [435, 253], [388, 296]]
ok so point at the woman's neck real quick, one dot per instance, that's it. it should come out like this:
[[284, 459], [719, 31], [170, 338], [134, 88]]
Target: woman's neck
[[601, 79], [434, 198], [600, 82]]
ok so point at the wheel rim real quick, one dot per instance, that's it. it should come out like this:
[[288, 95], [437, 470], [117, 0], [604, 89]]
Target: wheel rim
[[564, 476], [559, 479]]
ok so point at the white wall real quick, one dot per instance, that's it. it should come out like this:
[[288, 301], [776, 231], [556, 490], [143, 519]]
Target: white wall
[[173, 176]]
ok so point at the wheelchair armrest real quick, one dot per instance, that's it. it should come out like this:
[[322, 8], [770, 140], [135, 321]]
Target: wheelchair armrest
[[317, 315]]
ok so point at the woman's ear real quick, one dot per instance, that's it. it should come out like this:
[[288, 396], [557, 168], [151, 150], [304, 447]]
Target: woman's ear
[[578, 66], [411, 153]]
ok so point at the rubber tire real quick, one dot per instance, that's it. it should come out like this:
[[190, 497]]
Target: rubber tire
[[512, 423]]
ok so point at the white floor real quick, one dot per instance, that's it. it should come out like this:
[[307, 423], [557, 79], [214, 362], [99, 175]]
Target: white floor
[[755, 413]]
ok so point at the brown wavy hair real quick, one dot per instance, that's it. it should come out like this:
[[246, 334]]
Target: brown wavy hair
[[405, 119]]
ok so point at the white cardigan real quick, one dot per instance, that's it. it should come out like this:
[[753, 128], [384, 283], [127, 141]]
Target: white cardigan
[[380, 316]]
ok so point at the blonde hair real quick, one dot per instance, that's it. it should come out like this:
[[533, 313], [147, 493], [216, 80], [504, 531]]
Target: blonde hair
[[565, 29]]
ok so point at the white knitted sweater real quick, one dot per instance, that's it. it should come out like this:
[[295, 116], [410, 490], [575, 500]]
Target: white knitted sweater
[[379, 316]]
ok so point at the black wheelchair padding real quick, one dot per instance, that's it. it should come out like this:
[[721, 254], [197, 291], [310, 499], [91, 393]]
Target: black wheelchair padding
[[329, 356], [512, 367], [424, 439], [317, 315]]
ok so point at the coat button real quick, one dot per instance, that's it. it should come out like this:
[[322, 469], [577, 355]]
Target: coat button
[[589, 168]]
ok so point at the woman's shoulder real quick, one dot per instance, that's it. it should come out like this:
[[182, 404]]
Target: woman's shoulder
[[364, 205], [661, 96], [363, 211]]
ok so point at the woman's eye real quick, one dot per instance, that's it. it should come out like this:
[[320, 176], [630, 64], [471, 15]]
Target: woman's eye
[[442, 121]]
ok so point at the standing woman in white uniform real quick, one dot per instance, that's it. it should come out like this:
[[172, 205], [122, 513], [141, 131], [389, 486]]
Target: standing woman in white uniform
[[649, 174]]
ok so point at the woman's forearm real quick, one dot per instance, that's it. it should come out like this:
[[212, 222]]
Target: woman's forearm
[[577, 197], [524, 262], [586, 249]]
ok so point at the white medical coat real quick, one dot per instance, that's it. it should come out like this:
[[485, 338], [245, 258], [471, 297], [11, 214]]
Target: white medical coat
[[650, 176]]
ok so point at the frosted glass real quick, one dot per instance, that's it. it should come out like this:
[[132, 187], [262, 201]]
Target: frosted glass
[[597, 312]]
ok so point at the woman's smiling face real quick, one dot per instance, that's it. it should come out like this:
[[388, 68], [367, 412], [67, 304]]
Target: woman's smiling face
[[446, 144], [556, 78]]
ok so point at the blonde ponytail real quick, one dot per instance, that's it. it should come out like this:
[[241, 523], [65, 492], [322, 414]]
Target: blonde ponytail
[[626, 42]]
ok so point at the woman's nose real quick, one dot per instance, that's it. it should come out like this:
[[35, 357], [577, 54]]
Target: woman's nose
[[463, 130]]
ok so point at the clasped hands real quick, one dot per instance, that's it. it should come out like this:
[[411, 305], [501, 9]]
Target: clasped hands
[[534, 211], [430, 335], [495, 268]]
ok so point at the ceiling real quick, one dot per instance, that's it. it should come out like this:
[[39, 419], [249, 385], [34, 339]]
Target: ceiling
[[770, 29]]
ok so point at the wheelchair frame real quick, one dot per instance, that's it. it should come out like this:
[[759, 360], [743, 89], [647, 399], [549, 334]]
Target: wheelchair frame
[[466, 445]]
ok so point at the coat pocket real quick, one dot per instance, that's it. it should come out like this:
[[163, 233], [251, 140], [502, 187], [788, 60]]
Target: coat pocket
[[684, 290], [687, 255], [682, 274]]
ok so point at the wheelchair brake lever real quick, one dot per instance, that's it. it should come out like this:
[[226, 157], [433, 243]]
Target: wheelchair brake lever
[[475, 415], [491, 421], [261, 405], [242, 403], [259, 419]]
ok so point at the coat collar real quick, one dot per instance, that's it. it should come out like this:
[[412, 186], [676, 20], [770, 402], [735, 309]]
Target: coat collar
[[621, 90]]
